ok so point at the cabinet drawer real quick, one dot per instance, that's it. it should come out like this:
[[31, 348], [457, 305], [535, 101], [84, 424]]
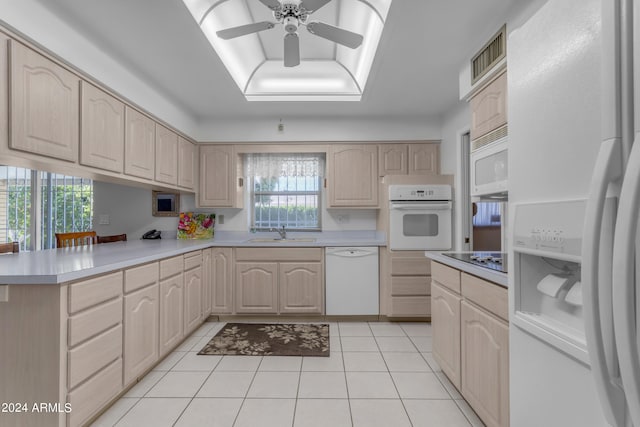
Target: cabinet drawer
[[171, 266], [446, 276], [410, 285], [487, 295], [140, 277], [94, 321], [279, 254], [94, 291], [88, 358], [87, 399], [192, 260], [419, 266], [411, 306]]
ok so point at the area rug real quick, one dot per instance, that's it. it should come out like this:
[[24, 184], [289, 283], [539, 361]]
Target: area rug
[[270, 339]]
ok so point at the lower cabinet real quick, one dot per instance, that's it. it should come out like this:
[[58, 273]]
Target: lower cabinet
[[207, 283], [300, 286], [192, 291], [445, 321], [256, 287], [407, 284], [221, 280], [171, 313], [141, 330]]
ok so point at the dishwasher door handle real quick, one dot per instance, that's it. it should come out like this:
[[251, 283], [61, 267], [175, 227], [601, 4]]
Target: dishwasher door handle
[[351, 253]]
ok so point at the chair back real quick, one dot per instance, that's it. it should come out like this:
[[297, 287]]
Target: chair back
[[114, 238], [9, 248], [82, 238]]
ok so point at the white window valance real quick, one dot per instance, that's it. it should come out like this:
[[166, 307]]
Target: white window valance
[[272, 165]]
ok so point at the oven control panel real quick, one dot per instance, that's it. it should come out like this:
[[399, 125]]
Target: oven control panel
[[420, 192]]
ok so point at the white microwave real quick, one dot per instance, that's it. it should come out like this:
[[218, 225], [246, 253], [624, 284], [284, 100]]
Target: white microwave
[[490, 170]]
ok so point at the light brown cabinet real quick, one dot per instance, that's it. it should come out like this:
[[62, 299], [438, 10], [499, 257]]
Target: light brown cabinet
[[300, 286], [220, 183], [187, 165], [139, 144], [445, 322], [256, 287], [352, 176], [166, 167], [171, 304], [101, 129], [406, 277], [489, 108], [192, 291], [409, 159], [221, 280], [207, 283], [44, 105]]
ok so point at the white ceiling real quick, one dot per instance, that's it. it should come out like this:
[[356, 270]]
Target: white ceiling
[[424, 45]]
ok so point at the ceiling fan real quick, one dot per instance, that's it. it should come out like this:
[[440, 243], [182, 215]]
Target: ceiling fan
[[292, 14]]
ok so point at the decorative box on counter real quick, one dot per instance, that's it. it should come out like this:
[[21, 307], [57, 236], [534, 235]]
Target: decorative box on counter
[[196, 225]]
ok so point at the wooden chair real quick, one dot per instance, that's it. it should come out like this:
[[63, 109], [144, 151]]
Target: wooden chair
[[82, 238], [114, 238], [9, 248]]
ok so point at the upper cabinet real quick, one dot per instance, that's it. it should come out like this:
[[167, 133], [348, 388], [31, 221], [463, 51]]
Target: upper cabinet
[[139, 144], [166, 155], [352, 176], [411, 159], [218, 172], [186, 163], [44, 105], [489, 108], [102, 129]]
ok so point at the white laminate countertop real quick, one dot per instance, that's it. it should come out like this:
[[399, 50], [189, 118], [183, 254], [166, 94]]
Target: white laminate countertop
[[56, 266], [485, 273]]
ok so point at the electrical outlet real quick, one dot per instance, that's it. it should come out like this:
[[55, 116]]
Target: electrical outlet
[[220, 219], [343, 218]]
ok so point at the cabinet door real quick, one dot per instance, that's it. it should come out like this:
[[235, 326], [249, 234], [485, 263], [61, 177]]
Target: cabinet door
[[445, 320], [485, 364], [218, 177], [166, 155], [45, 105], [300, 287], [102, 129], [221, 280], [489, 108], [186, 163], [207, 279], [141, 330], [424, 159], [256, 287], [353, 176], [171, 313], [392, 159], [4, 91], [139, 144], [192, 299]]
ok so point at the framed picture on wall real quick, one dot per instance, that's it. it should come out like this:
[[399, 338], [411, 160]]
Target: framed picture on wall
[[165, 203]]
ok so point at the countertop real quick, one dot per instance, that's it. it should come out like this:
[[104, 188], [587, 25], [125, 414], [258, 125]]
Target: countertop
[[55, 266], [485, 273]]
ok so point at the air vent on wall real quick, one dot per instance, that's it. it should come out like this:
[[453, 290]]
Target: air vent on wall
[[490, 54], [492, 136]]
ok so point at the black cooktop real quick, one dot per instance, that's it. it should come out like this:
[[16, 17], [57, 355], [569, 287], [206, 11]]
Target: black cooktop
[[496, 261]]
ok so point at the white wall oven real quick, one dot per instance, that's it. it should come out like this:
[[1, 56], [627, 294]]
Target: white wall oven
[[420, 217]]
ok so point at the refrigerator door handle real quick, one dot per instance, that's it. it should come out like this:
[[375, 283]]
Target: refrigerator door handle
[[624, 283], [608, 169]]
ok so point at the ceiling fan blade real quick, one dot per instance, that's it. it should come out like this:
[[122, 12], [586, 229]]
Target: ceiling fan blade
[[291, 50], [313, 5], [243, 30], [272, 4], [335, 34]]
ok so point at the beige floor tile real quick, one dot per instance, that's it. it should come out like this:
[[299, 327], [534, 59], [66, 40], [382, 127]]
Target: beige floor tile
[[281, 363], [469, 413], [398, 344], [266, 413], [170, 361], [274, 385], [322, 413], [381, 329], [405, 362], [370, 385], [239, 363], [378, 413], [423, 344], [333, 329], [145, 384], [152, 412], [355, 329], [203, 330], [419, 385], [358, 344], [200, 344], [226, 384], [417, 329], [178, 384], [210, 412], [332, 363], [334, 343], [428, 356], [451, 389], [117, 410], [193, 362], [435, 413], [188, 344], [363, 361], [322, 385]]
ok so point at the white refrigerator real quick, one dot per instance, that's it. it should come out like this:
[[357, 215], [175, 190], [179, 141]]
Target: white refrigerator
[[574, 179]]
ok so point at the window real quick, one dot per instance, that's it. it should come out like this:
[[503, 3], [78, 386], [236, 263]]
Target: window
[[488, 214], [62, 204], [285, 190]]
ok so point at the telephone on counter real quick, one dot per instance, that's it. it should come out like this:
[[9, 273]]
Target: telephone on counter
[[152, 234]]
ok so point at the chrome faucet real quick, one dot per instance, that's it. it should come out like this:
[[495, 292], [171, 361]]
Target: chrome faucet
[[281, 231]]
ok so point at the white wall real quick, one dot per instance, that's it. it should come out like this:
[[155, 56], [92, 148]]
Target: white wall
[[129, 210]]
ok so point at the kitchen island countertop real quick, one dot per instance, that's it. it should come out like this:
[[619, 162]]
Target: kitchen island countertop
[[487, 274], [55, 266]]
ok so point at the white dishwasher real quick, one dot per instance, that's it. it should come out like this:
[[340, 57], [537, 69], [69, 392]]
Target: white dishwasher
[[351, 279]]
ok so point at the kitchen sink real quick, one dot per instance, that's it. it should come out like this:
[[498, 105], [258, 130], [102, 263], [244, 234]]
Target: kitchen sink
[[279, 240]]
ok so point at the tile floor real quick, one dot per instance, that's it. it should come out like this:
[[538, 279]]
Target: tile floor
[[378, 374]]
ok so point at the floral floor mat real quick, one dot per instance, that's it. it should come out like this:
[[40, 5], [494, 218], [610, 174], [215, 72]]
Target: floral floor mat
[[270, 339]]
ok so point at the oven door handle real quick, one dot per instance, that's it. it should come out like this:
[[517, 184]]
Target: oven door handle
[[421, 206]]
